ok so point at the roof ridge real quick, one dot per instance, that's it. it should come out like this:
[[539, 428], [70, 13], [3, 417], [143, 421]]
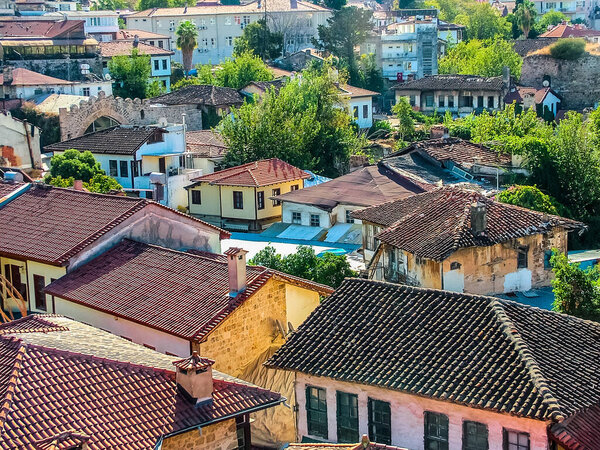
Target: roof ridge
[[525, 355]]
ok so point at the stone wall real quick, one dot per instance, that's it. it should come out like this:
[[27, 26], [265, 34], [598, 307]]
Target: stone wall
[[75, 121], [60, 68], [220, 436], [576, 81]]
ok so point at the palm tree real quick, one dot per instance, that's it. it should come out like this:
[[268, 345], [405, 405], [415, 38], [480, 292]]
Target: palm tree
[[187, 41], [525, 15]]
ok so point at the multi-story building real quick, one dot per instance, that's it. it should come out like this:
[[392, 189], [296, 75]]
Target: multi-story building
[[219, 25], [101, 25], [145, 37], [574, 9]]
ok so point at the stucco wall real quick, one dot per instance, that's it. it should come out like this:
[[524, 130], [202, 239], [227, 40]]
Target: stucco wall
[[326, 219], [407, 415], [14, 146], [220, 436], [362, 121]]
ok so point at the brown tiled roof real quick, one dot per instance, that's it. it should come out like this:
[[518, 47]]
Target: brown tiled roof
[[452, 82], [124, 48], [205, 143], [581, 431], [8, 188], [368, 186], [567, 31], [26, 77], [473, 350], [195, 362], [141, 34], [182, 294], [201, 94], [355, 92], [435, 224], [459, 151], [31, 324], [266, 85], [259, 173], [38, 28], [517, 93], [116, 392], [119, 140]]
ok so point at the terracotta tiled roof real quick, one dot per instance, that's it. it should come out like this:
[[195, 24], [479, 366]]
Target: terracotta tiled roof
[[473, 350], [435, 224], [31, 324], [38, 28], [459, 151], [259, 173], [581, 431], [201, 94], [566, 31], [452, 82], [8, 188], [179, 293], [355, 92], [540, 95], [124, 48], [26, 77], [205, 143], [119, 140], [116, 392], [195, 362], [518, 93], [141, 34]]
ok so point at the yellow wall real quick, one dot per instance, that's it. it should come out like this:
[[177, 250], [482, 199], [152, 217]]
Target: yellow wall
[[299, 303], [150, 163], [426, 270], [220, 436], [210, 200], [270, 210], [249, 211]]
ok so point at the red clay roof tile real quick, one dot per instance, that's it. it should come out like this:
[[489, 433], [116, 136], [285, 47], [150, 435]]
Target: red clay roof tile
[[124, 48], [581, 431], [26, 77]]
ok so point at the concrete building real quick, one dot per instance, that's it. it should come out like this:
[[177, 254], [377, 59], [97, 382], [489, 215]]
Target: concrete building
[[207, 148], [145, 37], [19, 143], [101, 25], [573, 9], [219, 25]]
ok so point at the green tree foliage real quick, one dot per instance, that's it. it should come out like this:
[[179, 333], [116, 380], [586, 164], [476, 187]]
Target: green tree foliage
[[102, 184], [484, 58], [187, 41], [330, 269], [258, 39], [551, 18], [301, 124], [530, 197], [406, 126], [570, 48], [74, 164], [130, 74], [482, 21], [149, 4], [525, 14], [576, 291], [345, 30], [369, 73], [47, 123], [335, 4], [109, 5], [155, 88]]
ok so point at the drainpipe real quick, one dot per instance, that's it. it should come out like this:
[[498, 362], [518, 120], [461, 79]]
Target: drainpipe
[[28, 136], [442, 274]]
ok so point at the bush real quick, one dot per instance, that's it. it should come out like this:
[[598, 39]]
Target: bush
[[530, 197], [571, 48]]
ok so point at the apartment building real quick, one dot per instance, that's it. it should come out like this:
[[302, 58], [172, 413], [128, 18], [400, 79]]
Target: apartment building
[[219, 25], [575, 9]]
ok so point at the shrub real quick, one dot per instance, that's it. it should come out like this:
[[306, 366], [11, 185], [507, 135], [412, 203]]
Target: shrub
[[530, 197], [571, 48]]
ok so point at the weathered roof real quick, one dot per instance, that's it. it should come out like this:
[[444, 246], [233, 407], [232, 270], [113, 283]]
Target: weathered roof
[[581, 431], [259, 173], [26, 77], [452, 82], [518, 93], [356, 92], [205, 143], [367, 186], [437, 223], [109, 392], [38, 28], [8, 188], [276, 84], [124, 48], [201, 94], [541, 94], [183, 294], [563, 30], [141, 34], [119, 140], [478, 351]]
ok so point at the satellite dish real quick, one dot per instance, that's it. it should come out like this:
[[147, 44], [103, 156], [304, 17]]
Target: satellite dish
[[546, 83], [291, 327], [280, 327], [107, 77]]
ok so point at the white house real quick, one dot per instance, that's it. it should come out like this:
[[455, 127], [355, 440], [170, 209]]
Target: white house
[[360, 104], [19, 143]]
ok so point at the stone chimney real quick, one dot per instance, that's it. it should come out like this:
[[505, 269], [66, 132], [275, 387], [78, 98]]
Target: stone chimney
[[478, 218], [78, 185], [236, 267], [194, 376]]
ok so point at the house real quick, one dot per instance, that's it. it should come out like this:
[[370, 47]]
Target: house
[[102, 25], [460, 240], [219, 23], [207, 148], [177, 302], [238, 197], [62, 375], [145, 37], [424, 368], [563, 30], [298, 61], [46, 232], [459, 94], [20, 147], [360, 104], [545, 101], [160, 58], [260, 88], [26, 84], [450, 33], [148, 160], [331, 203]]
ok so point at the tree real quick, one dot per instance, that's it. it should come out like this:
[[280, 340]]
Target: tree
[[258, 39], [102, 184], [149, 4], [345, 30], [241, 70], [370, 75], [482, 21], [530, 197], [109, 5], [187, 41], [576, 291], [406, 126], [130, 74], [525, 16], [335, 4], [74, 164], [549, 19], [569, 48]]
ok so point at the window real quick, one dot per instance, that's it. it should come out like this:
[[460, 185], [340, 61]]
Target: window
[[85, 92], [454, 265], [242, 427], [429, 100], [238, 200], [465, 101], [315, 220], [112, 168], [412, 100], [297, 217], [514, 440], [475, 436], [547, 256], [380, 422], [149, 195], [260, 200], [274, 193], [205, 42], [490, 101], [522, 257], [365, 111], [451, 101], [124, 166], [196, 197], [480, 101], [436, 431], [156, 64], [227, 20], [160, 44], [316, 412], [212, 42], [355, 112], [229, 41], [39, 283], [246, 20], [441, 99], [347, 417], [164, 64], [237, 20], [294, 187], [349, 218], [152, 43]]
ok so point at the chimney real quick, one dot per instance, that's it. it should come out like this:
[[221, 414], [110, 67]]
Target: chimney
[[7, 76], [78, 185], [136, 41], [364, 442], [506, 76], [194, 376], [478, 218], [236, 267]]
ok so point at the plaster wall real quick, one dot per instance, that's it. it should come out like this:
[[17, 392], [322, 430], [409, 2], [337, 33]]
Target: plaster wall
[[325, 218], [299, 303], [220, 436], [14, 146], [210, 197], [362, 121]]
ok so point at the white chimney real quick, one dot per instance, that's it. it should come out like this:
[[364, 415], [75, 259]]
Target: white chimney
[[194, 375], [236, 266]]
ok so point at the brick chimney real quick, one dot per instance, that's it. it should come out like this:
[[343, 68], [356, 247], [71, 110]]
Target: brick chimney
[[78, 185], [194, 376], [236, 266], [478, 218]]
